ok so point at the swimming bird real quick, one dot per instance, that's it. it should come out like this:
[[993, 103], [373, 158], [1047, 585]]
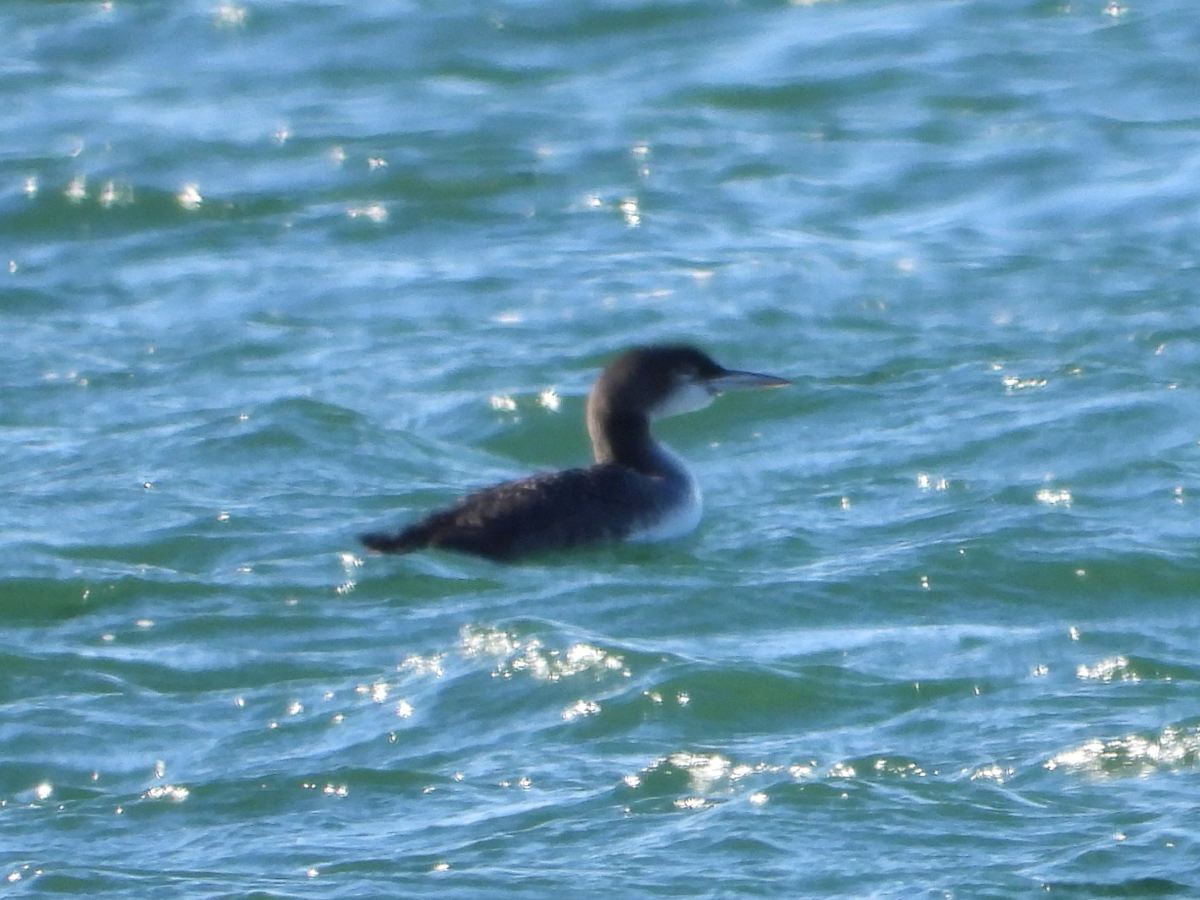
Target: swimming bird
[[636, 490]]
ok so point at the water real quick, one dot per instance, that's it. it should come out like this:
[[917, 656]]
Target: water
[[277, 273]]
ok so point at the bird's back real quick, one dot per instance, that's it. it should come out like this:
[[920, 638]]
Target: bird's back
[[551, 511]]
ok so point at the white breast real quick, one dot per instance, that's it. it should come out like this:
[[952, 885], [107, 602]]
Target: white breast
[[680, 520], [682, 514]]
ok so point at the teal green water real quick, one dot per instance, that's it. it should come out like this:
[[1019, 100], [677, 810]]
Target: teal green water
[[272, 274]]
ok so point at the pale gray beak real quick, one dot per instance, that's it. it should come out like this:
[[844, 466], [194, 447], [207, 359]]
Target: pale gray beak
[[742, 381]]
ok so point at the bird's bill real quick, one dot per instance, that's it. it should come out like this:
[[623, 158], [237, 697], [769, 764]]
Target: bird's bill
[[744, 381]]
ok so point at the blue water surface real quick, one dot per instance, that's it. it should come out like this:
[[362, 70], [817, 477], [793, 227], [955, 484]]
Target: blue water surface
[[275, 273]]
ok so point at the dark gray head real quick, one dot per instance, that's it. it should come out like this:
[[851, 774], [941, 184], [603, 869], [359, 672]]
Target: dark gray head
[[665, 380]]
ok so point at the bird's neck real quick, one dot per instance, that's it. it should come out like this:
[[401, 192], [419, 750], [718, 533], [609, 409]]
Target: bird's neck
[[625, 440]]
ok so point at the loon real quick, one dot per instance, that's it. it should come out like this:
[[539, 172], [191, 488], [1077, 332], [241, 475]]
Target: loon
[[636, 490]]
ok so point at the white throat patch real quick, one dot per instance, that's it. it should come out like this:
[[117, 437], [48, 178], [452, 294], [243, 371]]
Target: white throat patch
[[687, 398]]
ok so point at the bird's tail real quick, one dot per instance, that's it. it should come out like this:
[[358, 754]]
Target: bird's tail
[[405, 541]]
